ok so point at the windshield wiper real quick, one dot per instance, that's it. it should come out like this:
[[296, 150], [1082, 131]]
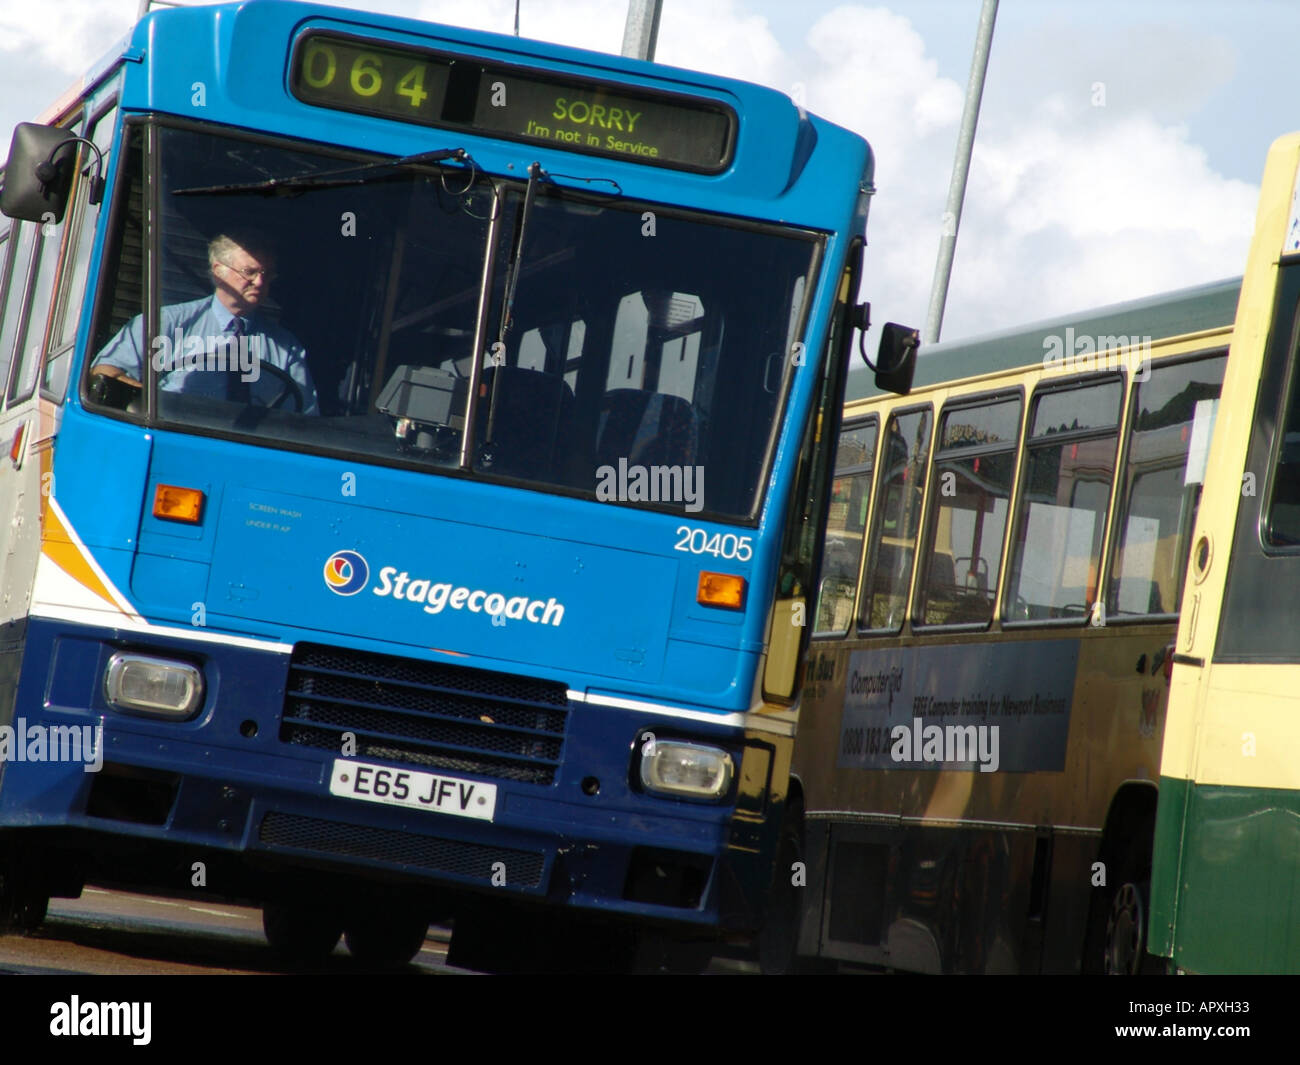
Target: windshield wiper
[[329, 179], [535, 174]]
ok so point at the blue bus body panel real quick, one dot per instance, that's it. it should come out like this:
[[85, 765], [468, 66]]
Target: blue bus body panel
[[598, 601], [229, 63], [244, 793], [256, 565]]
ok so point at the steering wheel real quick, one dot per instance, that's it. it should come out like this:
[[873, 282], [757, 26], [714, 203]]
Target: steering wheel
[[291, 388]]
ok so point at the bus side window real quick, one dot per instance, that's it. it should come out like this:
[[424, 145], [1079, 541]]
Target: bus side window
[[845, 525], [897, 519], [7, 246], [31, 344], [76, 249], [788, 629], [12, 316], [1069, 469], [973, 470], [122, 266], [1169, 436], [1283, 521]]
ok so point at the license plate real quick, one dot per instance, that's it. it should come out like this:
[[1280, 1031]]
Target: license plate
[[413, 790]]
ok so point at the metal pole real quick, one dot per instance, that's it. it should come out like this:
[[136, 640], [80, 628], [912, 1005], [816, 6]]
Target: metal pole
[[642, 30], [960, 168]]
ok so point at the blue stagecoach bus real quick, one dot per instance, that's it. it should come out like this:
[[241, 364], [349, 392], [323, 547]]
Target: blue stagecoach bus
[[419, 443]]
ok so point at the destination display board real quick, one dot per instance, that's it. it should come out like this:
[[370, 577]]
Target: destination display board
[[433, 89]]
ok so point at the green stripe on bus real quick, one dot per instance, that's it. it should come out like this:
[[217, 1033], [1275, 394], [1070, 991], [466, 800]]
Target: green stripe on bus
[[1164, 864], [1239, 897]]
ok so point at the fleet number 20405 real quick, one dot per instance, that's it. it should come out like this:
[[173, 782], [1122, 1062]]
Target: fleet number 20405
[[719, 545]]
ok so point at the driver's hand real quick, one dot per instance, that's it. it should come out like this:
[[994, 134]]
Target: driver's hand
[[115, 373]]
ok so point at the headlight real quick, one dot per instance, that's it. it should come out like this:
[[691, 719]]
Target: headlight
[[157, 686], [685, 769]]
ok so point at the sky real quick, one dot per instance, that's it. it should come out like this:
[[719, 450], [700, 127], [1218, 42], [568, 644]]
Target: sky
[[1118, 155]]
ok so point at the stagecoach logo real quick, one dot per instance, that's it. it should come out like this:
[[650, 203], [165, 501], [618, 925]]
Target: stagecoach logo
[[346, 573]]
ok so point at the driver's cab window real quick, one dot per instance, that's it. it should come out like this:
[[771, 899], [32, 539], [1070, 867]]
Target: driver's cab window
[[846, 523], [904, 454], [352, 303]]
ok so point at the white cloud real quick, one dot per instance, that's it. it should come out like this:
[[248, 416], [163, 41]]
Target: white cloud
[[66, 35], [1075, 210], [870, 72], [1069, 205]]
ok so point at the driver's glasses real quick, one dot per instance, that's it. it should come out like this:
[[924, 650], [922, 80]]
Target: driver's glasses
[[265, 272]]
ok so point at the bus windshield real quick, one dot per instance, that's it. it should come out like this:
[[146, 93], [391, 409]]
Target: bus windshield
[[644, 359]]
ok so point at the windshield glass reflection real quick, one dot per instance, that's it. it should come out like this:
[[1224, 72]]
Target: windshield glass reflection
[[644, 360]]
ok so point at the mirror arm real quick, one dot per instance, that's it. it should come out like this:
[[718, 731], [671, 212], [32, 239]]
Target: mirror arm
[[46, 172], [861, 321]]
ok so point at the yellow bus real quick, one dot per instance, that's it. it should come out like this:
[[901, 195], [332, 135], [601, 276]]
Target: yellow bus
[[1227, 856], [974, 783]]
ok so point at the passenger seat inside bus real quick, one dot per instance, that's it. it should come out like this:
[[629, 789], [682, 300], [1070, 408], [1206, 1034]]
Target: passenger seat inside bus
[[646, 428], [533, 427]]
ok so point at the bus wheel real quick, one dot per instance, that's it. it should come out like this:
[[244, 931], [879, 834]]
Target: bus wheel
[[387, 939], [658, 953], [23, 901], [1126, 930], [1128, 909], [301, 934], [779, 936]]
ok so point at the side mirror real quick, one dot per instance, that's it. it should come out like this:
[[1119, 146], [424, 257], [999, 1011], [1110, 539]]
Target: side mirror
[[896, 359], [39, 173]]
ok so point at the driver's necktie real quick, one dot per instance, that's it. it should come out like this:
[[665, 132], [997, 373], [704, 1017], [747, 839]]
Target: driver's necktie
[[237, 390]]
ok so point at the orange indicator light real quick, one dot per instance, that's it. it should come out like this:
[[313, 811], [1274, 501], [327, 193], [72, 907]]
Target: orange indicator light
[[178, 504], [721, 589]]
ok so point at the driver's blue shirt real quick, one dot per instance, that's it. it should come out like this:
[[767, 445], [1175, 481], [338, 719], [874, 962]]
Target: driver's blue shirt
[[195, 344]]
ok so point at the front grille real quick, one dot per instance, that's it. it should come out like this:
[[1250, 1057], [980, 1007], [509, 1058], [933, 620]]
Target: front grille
[[425, 714], [473, 860]]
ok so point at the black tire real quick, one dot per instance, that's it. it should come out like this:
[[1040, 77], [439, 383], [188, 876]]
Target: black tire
[[1126, 932], [657, 953], [31, 913], [24, 899], [301, 934], [1121, 911], [778, 939], [387, 939]]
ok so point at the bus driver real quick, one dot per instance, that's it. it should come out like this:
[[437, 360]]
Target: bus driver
[[217, 346]]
